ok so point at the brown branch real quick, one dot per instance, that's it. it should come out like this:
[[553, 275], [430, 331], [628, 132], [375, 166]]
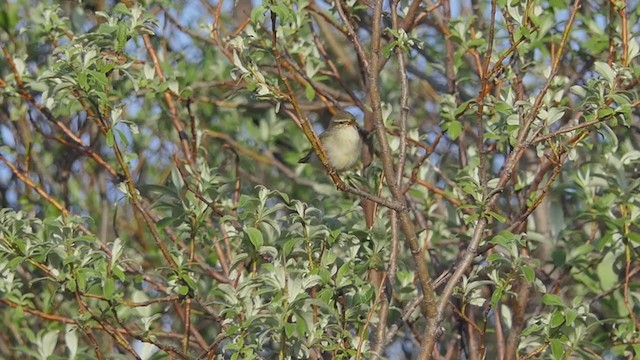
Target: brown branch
[[187, 326], [438, 191], [134, 197], [499, 65], [518, 307], [622, 12], [428, 151], [449, 53], [413, 15], [319, 13], [353, 37], [428, 305], [39, 313], [190, 32], [465, 318], [627, 269], [194, 132], [485, 89]]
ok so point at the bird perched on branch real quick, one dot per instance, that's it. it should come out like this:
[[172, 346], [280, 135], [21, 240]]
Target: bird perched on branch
[[342, 142]]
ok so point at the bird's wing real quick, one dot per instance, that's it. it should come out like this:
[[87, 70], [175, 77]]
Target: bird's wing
[[306, 158]]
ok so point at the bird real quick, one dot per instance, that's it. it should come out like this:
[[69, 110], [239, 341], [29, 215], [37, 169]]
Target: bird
[[342, 142]]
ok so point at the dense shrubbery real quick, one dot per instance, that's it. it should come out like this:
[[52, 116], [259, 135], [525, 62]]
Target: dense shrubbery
[[154, 206]]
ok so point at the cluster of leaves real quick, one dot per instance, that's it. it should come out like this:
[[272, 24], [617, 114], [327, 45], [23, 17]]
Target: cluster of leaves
[[197, 233]]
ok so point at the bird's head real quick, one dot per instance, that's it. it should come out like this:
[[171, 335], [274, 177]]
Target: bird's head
[[342, 118]]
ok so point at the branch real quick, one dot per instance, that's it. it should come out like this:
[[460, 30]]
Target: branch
[[428, 305]]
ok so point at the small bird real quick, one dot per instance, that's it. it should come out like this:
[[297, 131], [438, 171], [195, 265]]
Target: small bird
[[342, 142]]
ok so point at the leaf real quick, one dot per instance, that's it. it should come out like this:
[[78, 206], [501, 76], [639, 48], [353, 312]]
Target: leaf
[[268, 250], [109, 137], [557, 349], [388, 48], [19, 64], [71, 340], [578, 90], [238, 63], [528, 273], [109, 288], [174, 86], [552, 299], [255, 236], [630, 157], [606, 71], [116, 251], [149, 71], [554, 114], [557, 319], [309, 92], [570, 316], [606, 273], [453, 129], [495, 215], [634, 49], [238, 259], [99, 77], [49, 341]]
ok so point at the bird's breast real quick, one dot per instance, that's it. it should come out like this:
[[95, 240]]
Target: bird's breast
[[344, 148]]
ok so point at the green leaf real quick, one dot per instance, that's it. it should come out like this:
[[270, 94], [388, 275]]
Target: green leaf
[[309, 92], [453, 129], [557, 349], [570, 316], [552, 299], [109, 137], [289, 329], [49, 342], [255, 236], [529, 274], [71, 339], [605, 70], [109, 287], [557, 319], [388, 48], [606, 273], [99, 77], [183, 290], [497, 216]]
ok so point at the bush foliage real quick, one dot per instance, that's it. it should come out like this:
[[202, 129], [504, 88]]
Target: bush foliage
[[153, 206]]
